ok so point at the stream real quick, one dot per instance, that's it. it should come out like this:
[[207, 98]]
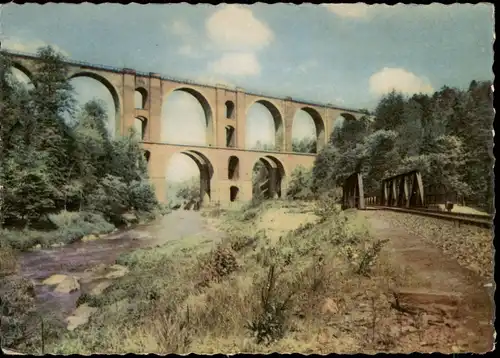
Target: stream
[[78, 258]]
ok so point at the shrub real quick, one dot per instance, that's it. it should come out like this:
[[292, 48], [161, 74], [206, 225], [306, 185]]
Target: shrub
[[369, 256], [300, 186], [142, 196], [327, 205], [8, 262], [241, 242], [72, 226], [17, 306], [269, 324], [22, 240], [219, 264]]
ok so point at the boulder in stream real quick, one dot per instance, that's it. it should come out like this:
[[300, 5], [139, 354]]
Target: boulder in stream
[[90, 237], [68, 285], [99, 288], [117, 271], [80, 316], [54, 280]]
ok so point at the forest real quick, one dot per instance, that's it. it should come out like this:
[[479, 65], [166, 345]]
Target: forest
[[447, 136], [61, 170]]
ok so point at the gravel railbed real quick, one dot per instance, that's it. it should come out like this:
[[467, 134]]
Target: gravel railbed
[[471, 246]]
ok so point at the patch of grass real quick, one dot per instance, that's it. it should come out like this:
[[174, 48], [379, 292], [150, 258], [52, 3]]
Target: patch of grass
[[8, 261], [70, 227], [273, 289]]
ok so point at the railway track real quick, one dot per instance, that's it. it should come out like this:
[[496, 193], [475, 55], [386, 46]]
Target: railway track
[[459, 218]]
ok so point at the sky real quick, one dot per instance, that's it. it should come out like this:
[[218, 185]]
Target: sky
[[346, 54]]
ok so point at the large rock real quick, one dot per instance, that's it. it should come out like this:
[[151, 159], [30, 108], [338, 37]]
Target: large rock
[[80, 316], [9, 352], [117, 271], [68, 285], [90, 237], [99, 288], [437, 303], [54, 280], [130, 218]]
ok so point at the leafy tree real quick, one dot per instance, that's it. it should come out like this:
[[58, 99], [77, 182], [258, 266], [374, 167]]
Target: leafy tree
[[304, 145], [447, 136], [50, 163], [52, 97], [189, 190], [389, 111], [300, 186]]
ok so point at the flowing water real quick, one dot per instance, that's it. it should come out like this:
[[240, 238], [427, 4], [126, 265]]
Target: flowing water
[[77, 258]]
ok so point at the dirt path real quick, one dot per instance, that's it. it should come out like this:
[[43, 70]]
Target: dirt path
[[443, 285], [177, 225]]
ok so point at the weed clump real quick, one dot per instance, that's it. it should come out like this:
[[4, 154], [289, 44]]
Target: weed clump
[[327, 206], [242, 242], [269, 324], [219, 264], [369, 257], [8, 262]]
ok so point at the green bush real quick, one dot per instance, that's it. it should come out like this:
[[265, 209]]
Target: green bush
[[300, 186], [142, 196], [17, 307], [72, 226], [22, 240], [8, 261]]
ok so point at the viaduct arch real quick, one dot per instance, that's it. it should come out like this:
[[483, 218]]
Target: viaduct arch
[[225, 165]]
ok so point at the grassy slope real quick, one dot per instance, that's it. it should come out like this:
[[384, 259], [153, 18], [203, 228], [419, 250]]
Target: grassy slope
[[206, 298]]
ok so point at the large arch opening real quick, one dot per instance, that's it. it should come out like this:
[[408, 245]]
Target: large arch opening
[[268, 175], [233, 168], [140, 98], [308, 131], [186, 118], [188, 177], [264, 127], [140, 126], [20, 75], [90, 86]]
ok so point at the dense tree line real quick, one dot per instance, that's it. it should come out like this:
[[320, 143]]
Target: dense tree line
[[56, 156], [447, 136]]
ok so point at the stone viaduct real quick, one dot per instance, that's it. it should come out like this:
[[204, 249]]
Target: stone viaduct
[[225, 165]]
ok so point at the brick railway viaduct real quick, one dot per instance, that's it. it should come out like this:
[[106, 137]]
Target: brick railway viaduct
[[225, 165]]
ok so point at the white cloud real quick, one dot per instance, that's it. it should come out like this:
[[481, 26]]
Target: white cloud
[[398, 79], [31, 46], [234, 28], [237, 64]]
